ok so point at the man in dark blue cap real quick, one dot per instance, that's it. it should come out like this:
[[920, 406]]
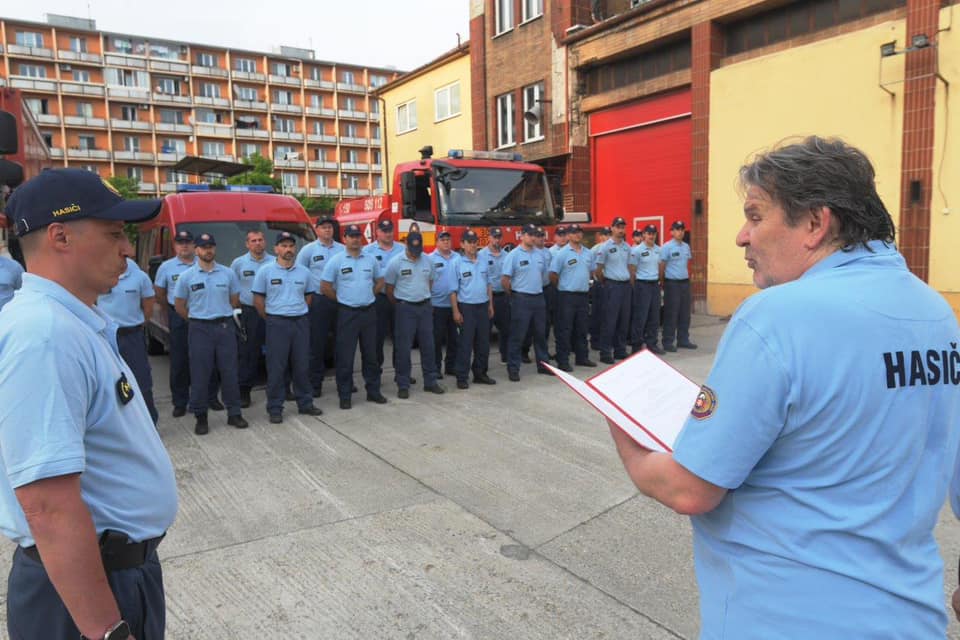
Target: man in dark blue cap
[[597, 293], [523, 280], [383, 251], [613, 269], [675, 257], [645, 269], [445, 332], [472, 306], [87, 489], [494, 255]]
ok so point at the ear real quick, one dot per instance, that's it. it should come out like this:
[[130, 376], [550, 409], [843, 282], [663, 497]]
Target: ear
[[58, 236], [819, 228]]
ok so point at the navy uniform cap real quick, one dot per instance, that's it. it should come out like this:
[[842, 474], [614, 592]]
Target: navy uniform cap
[[650, 229], [637, 233], [574, 228], [443, 234], [62, 195], [183, 236], [324, 220], [469, 236], [530, 229], [606, 231], [206, 240], [496, 233], [561, 231], [285, 236], [678, 224], [619, 222], [352, 230], [414, 239], [385, 225]]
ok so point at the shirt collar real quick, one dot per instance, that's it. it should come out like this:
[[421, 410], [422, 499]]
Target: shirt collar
[[90, 316], [839, 258]]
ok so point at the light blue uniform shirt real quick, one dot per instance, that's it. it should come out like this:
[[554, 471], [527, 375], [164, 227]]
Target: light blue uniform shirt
[[208, 292], [646, 260], [61, 413], [473, 280], [11, 277], [315, 257], [573, 268], [410, 278], [614, 256], [444, 278], [382, 256], [284, 289], [123, 303], [245, 267], [676, 255], [169, 272], [525, 269], [353, 278], [545, 258], [838, 442], [494, 266]]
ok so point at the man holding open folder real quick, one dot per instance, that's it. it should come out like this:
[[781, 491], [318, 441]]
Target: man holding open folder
[[817, 456]]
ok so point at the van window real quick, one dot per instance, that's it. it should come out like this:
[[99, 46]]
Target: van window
[[231, 236]]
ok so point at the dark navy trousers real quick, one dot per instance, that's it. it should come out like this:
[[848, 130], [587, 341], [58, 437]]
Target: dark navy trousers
[[133, 349], [357, 325], [249, 350], [501, 319], [572, 326], [323, 320], [645, 320], [444, 335], [385, 319], [550, 298], [36, 612], [676, 312], [474, 340], [527, 311], [288, 345], [414, 320], [597, 293], [616, 318], [180, 362], [213, 348]]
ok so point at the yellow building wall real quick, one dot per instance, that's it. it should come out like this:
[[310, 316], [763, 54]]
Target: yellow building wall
[[945, 203], [828, 88], [451, 133]]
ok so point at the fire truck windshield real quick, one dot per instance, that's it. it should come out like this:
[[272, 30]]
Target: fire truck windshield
[[493, 197]]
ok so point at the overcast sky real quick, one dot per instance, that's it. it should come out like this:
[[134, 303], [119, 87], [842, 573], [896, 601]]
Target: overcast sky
[[399, 33]]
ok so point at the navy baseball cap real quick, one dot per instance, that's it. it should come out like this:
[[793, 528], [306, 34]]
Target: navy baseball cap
[[352, 230], [285, 236], [561, 231], [637, 233], [496, 233], [678, 224], [62, 195], [206, 240], [415, 243], [469, 236], [619, 222], [324, 220], [606, 231], [574, 228], [443, 234], [650, 229], [385, 225], [530, 229], [183, 236]]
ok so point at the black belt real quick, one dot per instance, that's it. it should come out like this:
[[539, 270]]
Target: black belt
[[116, 551], [416, 304], [363, 308], [497, 294], [248, 306], [529, 295], [616, 281], [677, 280], [213, 320], [574, 293], [125, 331], [273, 315], [648, 282]]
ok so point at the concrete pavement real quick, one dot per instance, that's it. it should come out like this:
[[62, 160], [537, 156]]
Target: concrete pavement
[[498, 512]]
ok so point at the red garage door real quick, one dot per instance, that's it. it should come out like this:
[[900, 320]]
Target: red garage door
[[640, 156]]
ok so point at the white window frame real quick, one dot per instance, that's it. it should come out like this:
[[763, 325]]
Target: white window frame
[[246, 93], [78, 44], [178, 146], [290, 180], [246, 65], [443, 107], [129, 110], [86, 142], [531, 10], [32, 70], [81, 75], [322, 180], [351, 131], [318, 127], [532, 95], [209, 90], [208, 60], [353, 182], [285, 125], [506, 131], [353, 156], [247, 149], [285, 67], [407, 117], [205, 116], [136, 173], [131, 143], [348, 77], [168, 86], [503, 16], [85, 109], [282, 96], [378, 182], [30, 39], [219, 147]]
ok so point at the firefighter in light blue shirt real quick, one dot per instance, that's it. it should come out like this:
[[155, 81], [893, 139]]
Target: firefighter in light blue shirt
[[645, 269], [570, 271], [445, 332], [612, 267], [282, 294], [11, 277], [384, 250], [675, 256], [472, 303], [251, 344], [494, 256], [596, 293], [523, 279]]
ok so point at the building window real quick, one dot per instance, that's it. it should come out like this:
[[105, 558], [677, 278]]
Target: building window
[[139, 79], [39, 106], [85, 109], [81, 75], [531, 9], [322, 181], [29, 39], [638, 68], [506, 120], [168, 86], [375, 107], [353, 156], [282, 151], [375, 132], [173, 145], [317, 127], [128, 113], [78, 44], [376, 156], [291, 180], [378, 81], [446, 102], [33, 71], [282, 97], [131, 143], [378, 183], [176, 177], [315, 73], [248, 149], [316, 101], [246, 93], [135, 173], [348, 77], [214, 148], [284, 125], [532, 96], [503, 14], [171, 116], [122, 45], [47, 139], [350, 104], [407, 117], [282, 69], [209, 90], [206, 116], [350, 182], [86, 143], [246, 65], [351, 131], [206, 60]]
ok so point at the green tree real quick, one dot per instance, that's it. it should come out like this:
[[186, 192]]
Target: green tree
[[129, 189], [316, 206], [262, 172]]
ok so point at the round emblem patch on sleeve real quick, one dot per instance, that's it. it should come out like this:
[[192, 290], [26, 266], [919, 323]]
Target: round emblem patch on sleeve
[[705, 405]]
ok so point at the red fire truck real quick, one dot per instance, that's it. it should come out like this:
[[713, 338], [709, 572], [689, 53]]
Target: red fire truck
[[466, 189]]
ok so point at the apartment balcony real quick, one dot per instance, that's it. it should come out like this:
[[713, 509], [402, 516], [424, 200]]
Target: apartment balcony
[[376, 167], [352, 88], [169, 187], [321, 111], [283, 135], [252, 133], [289, 164], [167, 127], [56, 152], [288, 80], [82, 121], [79, 57], [352, 115], [171, 98], [128, 125], [147, 187], [33, 85], [286, 108], [294, 191], [247, 75], [226, 157], [82, 88], [212, 102], [169, 67], [216, 130], [47, 118], [214, 72], [376, 141], [363, 192], [324, 191], [130, 93], [31, 52], [351, 192], [252, 105], [323, 164], [169, 158], [373, 117], [321, 137], [89, 154], [120, 60], [353, 141], [355, 166], [133, 156]]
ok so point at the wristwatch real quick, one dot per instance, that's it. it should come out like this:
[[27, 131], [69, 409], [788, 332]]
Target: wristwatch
[[119, 631]]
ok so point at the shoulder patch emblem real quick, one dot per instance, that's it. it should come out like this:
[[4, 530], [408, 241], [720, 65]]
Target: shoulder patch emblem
[[705, 405]]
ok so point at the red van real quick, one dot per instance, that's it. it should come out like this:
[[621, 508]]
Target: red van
[[228, 214]]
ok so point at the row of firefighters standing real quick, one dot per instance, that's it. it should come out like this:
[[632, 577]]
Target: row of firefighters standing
[[607, 297]]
